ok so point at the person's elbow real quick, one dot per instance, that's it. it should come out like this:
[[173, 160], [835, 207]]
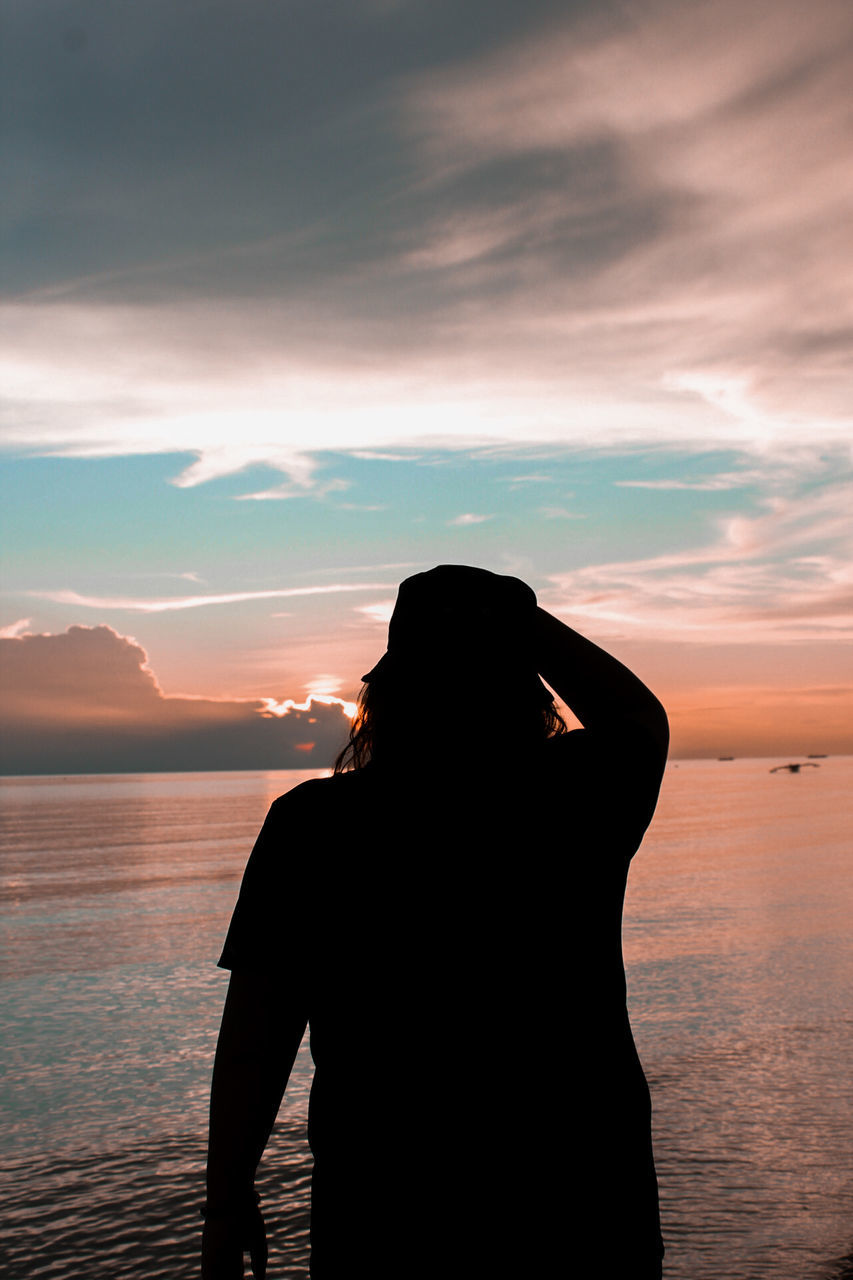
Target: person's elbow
[[657, 724]]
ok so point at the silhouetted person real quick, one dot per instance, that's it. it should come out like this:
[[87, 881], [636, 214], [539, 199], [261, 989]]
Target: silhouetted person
[[445, 912]]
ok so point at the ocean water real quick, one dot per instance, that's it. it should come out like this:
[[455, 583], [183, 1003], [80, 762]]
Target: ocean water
[[116, 893]]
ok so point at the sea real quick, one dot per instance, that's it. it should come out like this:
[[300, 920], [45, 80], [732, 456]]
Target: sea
[[116, 894]]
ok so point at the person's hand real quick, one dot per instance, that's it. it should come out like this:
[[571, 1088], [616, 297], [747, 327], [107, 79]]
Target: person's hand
[[224, 1241]]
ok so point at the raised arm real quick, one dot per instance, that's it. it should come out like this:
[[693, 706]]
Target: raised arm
[[601, 692], [258, 1042]]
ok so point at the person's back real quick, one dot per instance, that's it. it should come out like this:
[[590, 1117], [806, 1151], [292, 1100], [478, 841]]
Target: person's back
[[455, 935]]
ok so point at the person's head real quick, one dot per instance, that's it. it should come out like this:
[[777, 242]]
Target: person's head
[[459, 676]]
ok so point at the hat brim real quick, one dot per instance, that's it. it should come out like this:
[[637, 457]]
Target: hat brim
[[531, 680]]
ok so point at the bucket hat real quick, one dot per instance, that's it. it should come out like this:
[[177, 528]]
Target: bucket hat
[[456, 617]]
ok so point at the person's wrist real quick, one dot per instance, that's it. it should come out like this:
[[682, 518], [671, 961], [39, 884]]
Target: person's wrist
[[231, 1209]]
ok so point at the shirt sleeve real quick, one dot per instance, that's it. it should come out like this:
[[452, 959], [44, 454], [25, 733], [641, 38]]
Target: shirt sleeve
[[269, 926]]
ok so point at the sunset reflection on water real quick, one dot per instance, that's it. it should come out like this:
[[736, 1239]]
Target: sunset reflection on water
[[117, 892]]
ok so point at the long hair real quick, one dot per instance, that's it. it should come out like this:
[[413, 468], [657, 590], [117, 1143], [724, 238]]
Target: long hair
[[390, 725]]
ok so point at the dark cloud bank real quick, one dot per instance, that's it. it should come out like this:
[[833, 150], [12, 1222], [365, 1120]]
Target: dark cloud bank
[[86, 702], [137, 133]]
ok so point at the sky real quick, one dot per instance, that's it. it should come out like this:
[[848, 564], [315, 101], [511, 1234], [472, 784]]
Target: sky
[[302, 298]]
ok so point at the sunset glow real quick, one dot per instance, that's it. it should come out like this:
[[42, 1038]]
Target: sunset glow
[[562, 293], [273, 708]]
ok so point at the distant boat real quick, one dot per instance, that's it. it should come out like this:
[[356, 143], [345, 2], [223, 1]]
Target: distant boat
[[816, 755], [725, 757], [795, 768]]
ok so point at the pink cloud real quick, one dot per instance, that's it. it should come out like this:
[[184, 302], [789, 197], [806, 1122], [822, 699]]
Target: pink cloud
[[86, 701], [781, 577]]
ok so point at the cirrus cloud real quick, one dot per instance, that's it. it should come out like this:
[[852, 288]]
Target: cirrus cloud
[[172, 604], [783, 576]]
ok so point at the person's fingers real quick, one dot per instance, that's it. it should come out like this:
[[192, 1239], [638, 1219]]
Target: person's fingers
[[258, 1255]]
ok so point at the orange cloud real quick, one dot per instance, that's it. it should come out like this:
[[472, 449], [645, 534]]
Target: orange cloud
[[86, 701]]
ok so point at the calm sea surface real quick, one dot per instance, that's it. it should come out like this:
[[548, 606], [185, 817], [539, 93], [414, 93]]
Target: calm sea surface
[[117, 891]]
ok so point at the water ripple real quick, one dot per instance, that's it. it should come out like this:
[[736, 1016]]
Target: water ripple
[[133, 1214]]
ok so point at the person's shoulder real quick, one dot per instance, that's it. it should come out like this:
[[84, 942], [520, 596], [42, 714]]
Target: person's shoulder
[[316, 793], [304, 817], [619, 738], [609, 778], [566, 744], [624, 755], [308, 792], [570, 750]]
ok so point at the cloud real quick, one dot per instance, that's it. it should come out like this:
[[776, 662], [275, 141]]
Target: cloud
[[171, 604], [86, 701], [15, 629], [379, 612], [289, 706], [708, 484], [468, 518], [279, 492], [520, 225], [783, 576]]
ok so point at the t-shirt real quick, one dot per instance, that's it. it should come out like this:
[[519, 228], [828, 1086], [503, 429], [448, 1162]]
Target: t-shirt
[[457, 944]]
